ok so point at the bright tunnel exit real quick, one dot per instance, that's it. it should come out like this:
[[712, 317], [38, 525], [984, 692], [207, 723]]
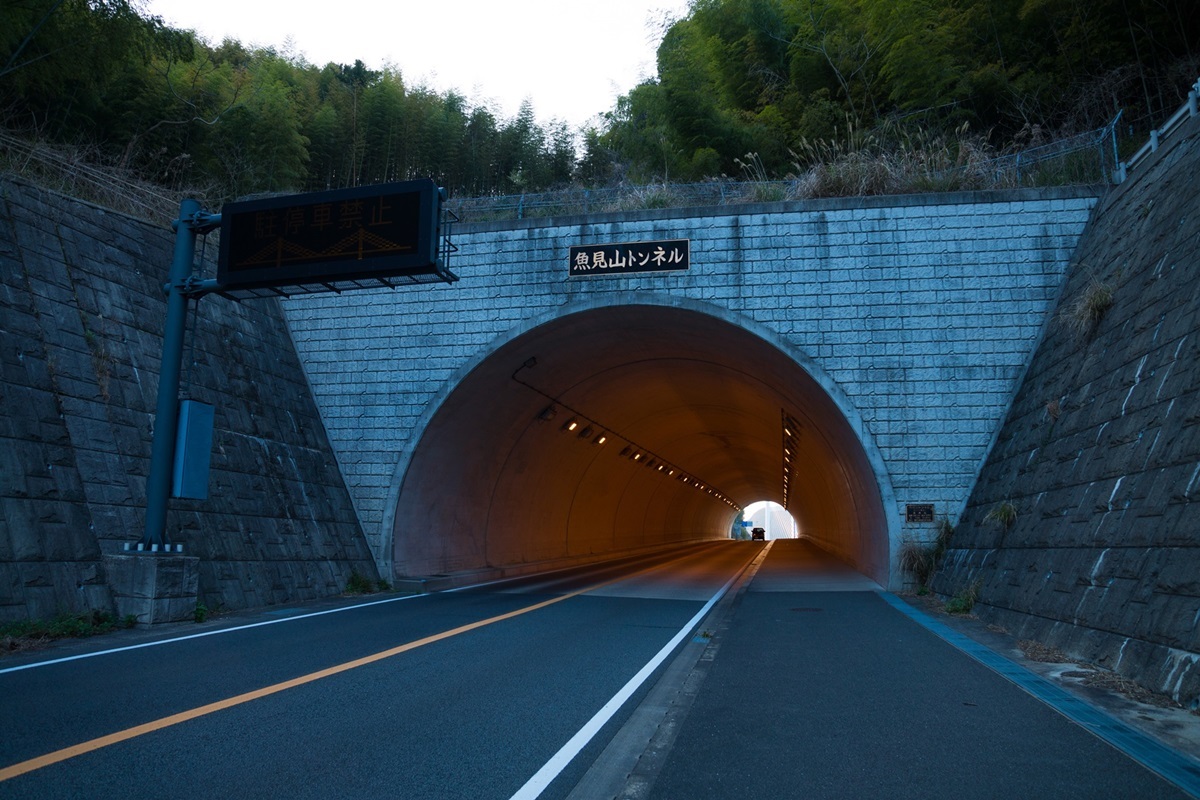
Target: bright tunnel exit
[[626, 428], [773, 518]]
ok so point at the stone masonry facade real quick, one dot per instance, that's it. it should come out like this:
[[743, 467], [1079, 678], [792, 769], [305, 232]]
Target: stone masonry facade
[[1100, 455], [81, 314], [924, 310]]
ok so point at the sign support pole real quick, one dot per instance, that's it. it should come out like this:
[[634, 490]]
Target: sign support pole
[[166, 416]]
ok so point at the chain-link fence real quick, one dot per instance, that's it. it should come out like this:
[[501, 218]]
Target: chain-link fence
[[1085, 159], [1088, 158]]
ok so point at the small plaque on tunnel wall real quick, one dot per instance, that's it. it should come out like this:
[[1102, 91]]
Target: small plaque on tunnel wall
[[619, 259], [918, 512]]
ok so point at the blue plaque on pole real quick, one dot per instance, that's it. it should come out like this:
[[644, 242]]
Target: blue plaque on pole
[[193, 450]]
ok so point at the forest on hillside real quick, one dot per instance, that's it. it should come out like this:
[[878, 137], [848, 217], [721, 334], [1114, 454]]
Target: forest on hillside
[[744, 88]]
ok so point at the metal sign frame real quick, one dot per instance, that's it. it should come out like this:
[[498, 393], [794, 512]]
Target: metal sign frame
[[411, 257]]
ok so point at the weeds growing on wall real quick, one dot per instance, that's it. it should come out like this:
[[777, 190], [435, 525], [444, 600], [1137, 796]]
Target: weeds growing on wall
[[1083, 314], [1003, 515], [921, 559]]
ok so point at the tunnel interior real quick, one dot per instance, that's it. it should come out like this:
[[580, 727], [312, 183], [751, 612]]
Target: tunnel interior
[[620, 428]]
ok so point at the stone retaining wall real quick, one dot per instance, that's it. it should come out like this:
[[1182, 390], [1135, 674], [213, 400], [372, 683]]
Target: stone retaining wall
[[81, 316], [1100, 455]]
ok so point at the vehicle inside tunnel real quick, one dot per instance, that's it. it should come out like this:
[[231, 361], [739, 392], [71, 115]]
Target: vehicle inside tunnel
[[769, 518], [617, 429]]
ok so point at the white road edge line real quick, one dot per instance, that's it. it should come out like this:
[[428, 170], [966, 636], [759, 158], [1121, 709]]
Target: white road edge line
[[241, 627], [206, 633], [558, 762]]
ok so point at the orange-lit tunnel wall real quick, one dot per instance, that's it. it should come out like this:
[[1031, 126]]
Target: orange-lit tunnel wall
[[495, 483]]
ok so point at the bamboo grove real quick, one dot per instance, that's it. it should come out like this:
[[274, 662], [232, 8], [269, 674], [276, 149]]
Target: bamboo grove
[[735, 77]]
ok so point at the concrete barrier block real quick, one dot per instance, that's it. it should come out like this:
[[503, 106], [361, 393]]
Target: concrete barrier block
[[154, 587]]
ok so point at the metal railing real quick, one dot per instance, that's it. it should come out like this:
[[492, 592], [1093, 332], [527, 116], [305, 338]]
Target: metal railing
[[61, 171], [1185, 112], [618, 198]]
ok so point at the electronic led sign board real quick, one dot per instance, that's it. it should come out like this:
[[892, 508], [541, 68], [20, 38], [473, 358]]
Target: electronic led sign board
[[343, 239]]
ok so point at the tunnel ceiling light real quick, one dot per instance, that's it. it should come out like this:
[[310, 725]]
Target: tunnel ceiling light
[[590, 426]]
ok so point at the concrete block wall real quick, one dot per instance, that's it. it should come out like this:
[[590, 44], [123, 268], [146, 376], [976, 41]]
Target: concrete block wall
[[81, 314], [923, 309], [1100, 455]]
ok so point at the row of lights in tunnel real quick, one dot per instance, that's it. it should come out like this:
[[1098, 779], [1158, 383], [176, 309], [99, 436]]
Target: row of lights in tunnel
[[645, 457], [791, 436], [588, 429]]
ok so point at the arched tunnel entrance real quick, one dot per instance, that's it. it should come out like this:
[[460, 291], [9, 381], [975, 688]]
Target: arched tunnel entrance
[[624, 427]]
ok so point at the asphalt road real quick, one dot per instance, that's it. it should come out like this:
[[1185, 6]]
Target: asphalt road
[[804, 681], [837, 695], [473, 714], [819, 689]]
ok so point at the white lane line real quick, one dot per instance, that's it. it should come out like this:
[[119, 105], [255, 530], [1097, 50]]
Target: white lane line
[[205, 633], [558, 762]]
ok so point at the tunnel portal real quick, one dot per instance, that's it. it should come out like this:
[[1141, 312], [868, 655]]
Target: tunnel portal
[[616, 429]]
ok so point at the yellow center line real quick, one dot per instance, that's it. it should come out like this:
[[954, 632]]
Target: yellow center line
[[140, 730], [200, 711]]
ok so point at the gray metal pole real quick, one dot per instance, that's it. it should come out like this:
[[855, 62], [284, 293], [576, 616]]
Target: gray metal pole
[[166, 416]]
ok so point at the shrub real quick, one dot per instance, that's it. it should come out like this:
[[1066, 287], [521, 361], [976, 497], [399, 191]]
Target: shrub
[[919, 560], [359, 584], [965, 600], [27, 632]]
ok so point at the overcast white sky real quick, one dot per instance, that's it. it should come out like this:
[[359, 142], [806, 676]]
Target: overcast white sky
[[571, 58]]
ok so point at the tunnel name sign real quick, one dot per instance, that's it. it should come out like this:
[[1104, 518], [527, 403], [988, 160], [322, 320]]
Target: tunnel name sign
[[630, 257], [364, 233]]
